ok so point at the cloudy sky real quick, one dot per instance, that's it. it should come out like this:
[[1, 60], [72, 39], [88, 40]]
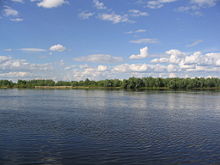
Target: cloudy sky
[[106, 39]]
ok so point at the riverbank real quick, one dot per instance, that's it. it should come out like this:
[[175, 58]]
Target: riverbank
[[74, 87], [108, 88], [132, 83]]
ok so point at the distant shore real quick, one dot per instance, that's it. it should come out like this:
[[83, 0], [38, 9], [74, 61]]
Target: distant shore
[[74, 87], [107, 88], [133, 83]]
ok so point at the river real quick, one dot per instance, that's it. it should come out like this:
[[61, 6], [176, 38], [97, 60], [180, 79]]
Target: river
[[66, 127]]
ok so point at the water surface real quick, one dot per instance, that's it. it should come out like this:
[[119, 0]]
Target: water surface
[[62, 127]]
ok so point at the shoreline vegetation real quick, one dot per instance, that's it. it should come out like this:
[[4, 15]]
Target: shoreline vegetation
[[147, 83]]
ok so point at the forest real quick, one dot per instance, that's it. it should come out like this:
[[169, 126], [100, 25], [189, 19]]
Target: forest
[[131, 83]]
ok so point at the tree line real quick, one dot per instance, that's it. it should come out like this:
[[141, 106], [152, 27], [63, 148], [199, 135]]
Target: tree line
[[131, 83]]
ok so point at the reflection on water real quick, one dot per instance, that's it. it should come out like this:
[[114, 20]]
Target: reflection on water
[[109, 127]]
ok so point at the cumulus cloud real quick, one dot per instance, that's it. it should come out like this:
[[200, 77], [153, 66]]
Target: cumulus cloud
[[85, 15], [4, 58], [93, 73], [114, 18], [9, 64], [143, 54], [15, 74], [57, 48], [172, 75], [102, 68], [160, 60], [172, 68], [145, 41], [215, 56], [99, 58], [178, 64], [12, 68], [175, 63], [173, 58], [196, 61], [99, 5], [175, 52], [51, 3], [130, 68]]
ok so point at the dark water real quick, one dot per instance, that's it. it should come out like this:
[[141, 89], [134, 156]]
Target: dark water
[[109, 127]]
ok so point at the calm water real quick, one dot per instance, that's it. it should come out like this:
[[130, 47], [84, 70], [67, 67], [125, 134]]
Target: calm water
[[109, 127]]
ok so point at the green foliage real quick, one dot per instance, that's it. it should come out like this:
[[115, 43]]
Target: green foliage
[[6, 84], [131, 83], [33, 83]]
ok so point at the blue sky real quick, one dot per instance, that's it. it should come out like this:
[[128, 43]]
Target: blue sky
[[105, 39]]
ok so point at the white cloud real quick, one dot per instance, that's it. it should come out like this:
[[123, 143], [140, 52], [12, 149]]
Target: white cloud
[[17, 19], [192, 9], [93, 73], [11, 64], [51, 3], [190, 62], [172, 68], [187, 8], [140, 31], [57, 48], [85, 15], [173, 58], [138, 67], [192, 59], [8, 50], [130, 68], [4, 58], [206, 3], [154, 4], [15, 74], [114, 18], [12, 69], [99, 5], [215, 56], [99, 58], [207, 64], [218, 62], [102, 68], [195, 5], [143, 68], [143, 54], [172, 75], [197, 42], [8, 11], [32, 50], [137, 13], [145, 41], [137, 31], [175, 63], [175, 52], [160, 60]]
